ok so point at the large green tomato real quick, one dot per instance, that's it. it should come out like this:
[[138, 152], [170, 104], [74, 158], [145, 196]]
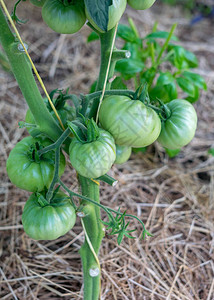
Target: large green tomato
[[64, 16], [48, 221], [122, 154], [141, 4], [29, 172], [93, 159], [66, 113], [129, 121], [116, 11], [179, 128]]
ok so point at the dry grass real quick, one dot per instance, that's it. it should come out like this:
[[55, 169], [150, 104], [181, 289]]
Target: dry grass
[[173, 197]]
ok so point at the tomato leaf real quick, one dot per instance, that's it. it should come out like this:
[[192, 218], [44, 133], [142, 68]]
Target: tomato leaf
[[165, 78], [93, 36], [129, 66], [197, 79], [127, 34], [211, 151], [160, 35], [99, 12], [118, 84], [186, 85]]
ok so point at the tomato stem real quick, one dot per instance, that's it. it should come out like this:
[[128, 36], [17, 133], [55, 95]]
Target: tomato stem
[[95, 233], [22, 71], [106, 41]]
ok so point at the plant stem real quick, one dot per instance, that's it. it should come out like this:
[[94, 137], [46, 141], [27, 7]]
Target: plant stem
[[22, 71], [106, 40], [94, 231]]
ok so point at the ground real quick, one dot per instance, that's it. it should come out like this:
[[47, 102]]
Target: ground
[[174, 197]]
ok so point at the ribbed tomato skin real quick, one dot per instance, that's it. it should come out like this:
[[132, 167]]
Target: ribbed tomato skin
[[130, 122], [93, 159], [122, 154], [48, 222], [63, 18], [179, 129], [28, 174]]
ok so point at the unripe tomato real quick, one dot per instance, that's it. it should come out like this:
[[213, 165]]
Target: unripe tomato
[[38, 3], [122, 154], [180, 126], [49, 221], [129, 121], [93, 159], [64, 16], [29, 172], [116, 11], [141, 4]]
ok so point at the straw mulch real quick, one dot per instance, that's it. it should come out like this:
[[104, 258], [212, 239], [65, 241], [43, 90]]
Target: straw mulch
[[174, 197]]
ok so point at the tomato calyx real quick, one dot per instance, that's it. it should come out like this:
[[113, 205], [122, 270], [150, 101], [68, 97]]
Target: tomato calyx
[[41, 200], [35, 156], [85, 130]]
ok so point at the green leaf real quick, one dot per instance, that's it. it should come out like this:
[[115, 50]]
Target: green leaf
[[118, 84], [191, 59], [172, 153], [165, 78], [93, 36], [148, 75], [178, 59], [194, 98], [171, 90], [99, 12], [127, 34], [211, 151], [129, 66], [197, 79], [160, 35], [186, 85]]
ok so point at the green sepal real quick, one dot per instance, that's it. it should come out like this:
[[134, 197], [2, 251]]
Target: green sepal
[[78, 129], [144, 96], [41, 200], [92, 131], [137, 92]]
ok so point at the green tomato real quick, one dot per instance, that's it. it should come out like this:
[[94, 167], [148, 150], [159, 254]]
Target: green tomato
[[27, 170], [141, 4], [129, 121], [116, 11], [48, 221], [66, 113], [64, 16], [93, 159], [122, 154], [180, 126], [38, 3]]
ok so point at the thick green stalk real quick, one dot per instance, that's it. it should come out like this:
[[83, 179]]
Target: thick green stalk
[[106, 40], [21, 69], [92, 223], [94, 234]]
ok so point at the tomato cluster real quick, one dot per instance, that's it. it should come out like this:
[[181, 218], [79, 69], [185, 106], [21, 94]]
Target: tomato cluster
[[125, 123], [30, 171], [64, 16]]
